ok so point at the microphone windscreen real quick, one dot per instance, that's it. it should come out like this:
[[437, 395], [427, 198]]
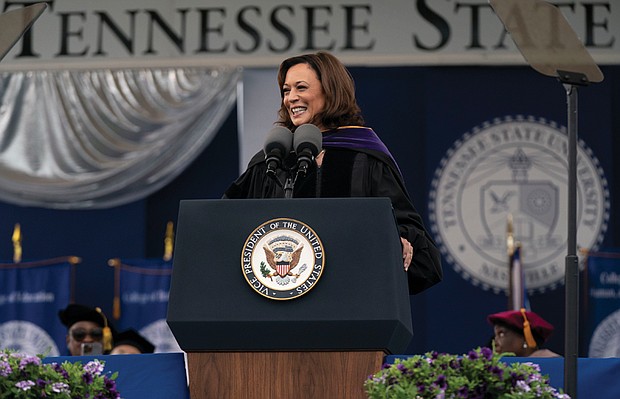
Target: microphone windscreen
[[307, 136], [280, 139]]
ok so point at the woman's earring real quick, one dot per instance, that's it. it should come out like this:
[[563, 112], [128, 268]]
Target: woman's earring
[[525, 345]]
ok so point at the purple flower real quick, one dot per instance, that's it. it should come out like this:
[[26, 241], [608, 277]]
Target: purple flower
[[463, 392], [441, 381], [94, 367], [108, 383], [25, 385], [60, 370], [472, 355], [533, 365], [522, 386], [60, 387], [380, 380], [29, 360], [514, 377], [5, 369], [87, 378], [487, 353], [495, 370]]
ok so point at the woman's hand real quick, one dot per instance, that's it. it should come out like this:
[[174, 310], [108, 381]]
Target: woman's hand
[[407, 253]]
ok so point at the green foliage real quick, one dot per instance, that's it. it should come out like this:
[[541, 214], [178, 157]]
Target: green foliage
[[265, 271], [480, 374]]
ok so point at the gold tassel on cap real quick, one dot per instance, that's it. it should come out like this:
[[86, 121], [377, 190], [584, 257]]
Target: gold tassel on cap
[[107, 332], [527, 331]]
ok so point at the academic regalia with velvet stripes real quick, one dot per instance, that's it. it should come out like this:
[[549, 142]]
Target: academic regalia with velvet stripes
[[355, 164]]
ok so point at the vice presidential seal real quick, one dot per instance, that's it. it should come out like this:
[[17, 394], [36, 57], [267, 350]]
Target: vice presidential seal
[[515, 166], [282, 259]]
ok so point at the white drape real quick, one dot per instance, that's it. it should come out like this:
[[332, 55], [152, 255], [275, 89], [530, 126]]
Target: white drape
[[103, 138]]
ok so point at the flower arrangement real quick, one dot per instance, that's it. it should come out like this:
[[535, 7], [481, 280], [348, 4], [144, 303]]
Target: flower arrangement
[[478, 375], [27, 377]]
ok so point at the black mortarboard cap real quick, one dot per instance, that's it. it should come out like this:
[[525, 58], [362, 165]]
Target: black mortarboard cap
[[133, 338], [74, 313]]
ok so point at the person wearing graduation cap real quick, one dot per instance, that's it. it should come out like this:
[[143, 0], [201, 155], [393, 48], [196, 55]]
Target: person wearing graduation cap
[[87, 328], [522, 333], [130, 342]]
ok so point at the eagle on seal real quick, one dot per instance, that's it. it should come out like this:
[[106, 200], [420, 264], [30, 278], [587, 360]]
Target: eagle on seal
[[283, 262]]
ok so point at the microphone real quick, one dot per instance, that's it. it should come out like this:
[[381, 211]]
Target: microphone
[[278, 144], [307, 141]]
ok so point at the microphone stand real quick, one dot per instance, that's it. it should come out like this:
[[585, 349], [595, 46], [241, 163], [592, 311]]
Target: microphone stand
[[288, 184], [272, 174], [302, 170], [288, 187], [570, 62], [571, 80]]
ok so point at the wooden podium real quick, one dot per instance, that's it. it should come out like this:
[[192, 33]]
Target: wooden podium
[[281, 375], [241, 343]]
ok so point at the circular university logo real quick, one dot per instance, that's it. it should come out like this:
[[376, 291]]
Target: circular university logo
[[159, 334], [515, 166], [26, 337], [605, 340], [282, 259]]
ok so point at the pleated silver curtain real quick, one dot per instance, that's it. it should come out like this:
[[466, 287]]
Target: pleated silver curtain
[[103, 138]]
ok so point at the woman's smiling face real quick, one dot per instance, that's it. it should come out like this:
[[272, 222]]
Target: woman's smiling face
[[302, 94]]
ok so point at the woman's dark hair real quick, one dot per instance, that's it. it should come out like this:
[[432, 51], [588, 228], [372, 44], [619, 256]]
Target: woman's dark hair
[[341, 107]]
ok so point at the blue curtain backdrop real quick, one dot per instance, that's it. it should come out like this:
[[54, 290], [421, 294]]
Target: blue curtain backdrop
[[420, 112]]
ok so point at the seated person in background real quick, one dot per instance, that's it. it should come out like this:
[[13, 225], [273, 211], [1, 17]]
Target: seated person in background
[[522, 333], [88, 332], [130, 342]]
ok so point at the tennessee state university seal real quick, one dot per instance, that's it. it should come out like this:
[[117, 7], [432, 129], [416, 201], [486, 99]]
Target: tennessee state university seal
[[26, 337], [282, 259], [515, 166]]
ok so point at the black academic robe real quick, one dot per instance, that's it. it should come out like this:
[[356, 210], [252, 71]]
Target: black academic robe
[[351, 173]]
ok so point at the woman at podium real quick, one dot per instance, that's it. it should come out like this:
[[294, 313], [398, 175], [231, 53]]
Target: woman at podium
[[347, 160]]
